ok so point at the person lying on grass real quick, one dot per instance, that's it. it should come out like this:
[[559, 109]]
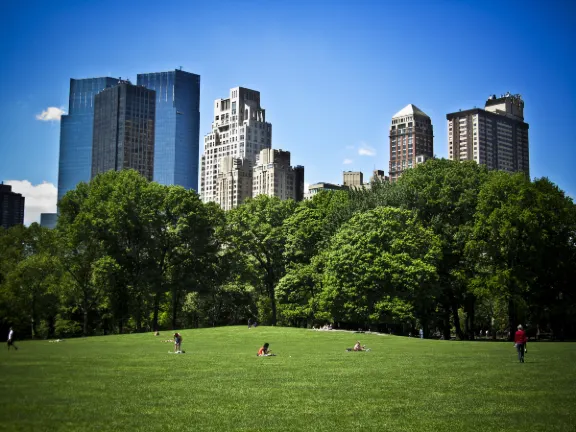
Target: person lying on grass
[[264, 351]]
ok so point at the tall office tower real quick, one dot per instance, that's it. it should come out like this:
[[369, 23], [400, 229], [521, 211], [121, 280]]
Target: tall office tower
[[495, 136], [177, 126], [353, 179], [11, 207], [234, 182], [411, 135], [299, 182], [273, 175], [239, 130], [124, 129], [49, 220], [75, 161]]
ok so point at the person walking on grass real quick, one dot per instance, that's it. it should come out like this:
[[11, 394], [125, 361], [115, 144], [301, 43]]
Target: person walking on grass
[[520, 343], [10, 341]]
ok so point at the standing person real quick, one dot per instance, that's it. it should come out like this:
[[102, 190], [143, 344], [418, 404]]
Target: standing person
[[249, 323], [421, 333], [520, 343], [10, 341], [177, 342]]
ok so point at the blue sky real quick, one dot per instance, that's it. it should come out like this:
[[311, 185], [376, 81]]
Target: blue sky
[[331, 73]]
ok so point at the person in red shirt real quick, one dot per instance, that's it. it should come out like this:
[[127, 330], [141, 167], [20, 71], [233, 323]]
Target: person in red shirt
[[520, 343], [264, 351]]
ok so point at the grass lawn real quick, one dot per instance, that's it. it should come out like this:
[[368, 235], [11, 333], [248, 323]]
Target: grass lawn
[[131, 383]]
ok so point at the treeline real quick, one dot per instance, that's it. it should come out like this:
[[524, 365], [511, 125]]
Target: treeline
[[451, 248]]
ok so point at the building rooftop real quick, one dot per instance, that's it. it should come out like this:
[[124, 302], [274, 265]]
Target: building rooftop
[[410, 109]]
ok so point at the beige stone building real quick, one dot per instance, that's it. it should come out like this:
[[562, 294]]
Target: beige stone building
[[495, 136], [353, 179], [273, 175], [234, 182], [411, 135], [239, 130]]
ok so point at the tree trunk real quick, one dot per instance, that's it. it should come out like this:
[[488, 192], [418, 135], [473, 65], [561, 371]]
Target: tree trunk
[[446, 323], [511, 319], [85, 323], [272, 304], [156, 310], [51, 326], [33, 317], [459, 334], [469, 310], [174, 310]]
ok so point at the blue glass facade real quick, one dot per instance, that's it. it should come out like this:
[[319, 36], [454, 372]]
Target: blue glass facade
[[75, 162], [177, 135], [49, 220], [124, 130]]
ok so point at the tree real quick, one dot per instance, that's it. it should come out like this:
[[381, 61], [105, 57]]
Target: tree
[[444, 195], [255, 230], [298, 292], [33, 276], [380, 268], [79, 250], [521, 231], [183, 244], [503, 239]]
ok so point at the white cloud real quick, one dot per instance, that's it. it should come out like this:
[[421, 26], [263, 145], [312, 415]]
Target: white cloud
[[366, 150], [51, 114], [306, 185], [40, 198], [347, 161]]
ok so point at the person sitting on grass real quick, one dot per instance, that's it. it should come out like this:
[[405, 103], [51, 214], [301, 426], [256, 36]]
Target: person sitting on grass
[[177, 342], [264, 351], [359, 347]]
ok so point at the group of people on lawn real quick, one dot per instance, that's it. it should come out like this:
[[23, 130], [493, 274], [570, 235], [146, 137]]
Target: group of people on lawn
[[520, 341]]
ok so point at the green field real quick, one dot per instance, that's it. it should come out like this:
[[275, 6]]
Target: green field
[[131, 383]]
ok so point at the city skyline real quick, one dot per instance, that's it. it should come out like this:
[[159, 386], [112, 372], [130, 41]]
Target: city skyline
[[329, 88]]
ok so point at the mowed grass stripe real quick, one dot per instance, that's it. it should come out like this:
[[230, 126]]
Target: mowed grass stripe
[[130, 382]]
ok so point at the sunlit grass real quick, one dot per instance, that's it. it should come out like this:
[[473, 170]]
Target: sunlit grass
[[131, 383]]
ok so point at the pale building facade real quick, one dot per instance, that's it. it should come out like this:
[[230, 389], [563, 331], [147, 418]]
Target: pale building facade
[[316, 188], [233, 182], [495, 136], [273, 175], [353, 179], [411, 135], [239, 130]]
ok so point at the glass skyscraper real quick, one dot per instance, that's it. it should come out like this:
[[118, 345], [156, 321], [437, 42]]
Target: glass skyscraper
[[177, 135], [76, 128], [124, 130]]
